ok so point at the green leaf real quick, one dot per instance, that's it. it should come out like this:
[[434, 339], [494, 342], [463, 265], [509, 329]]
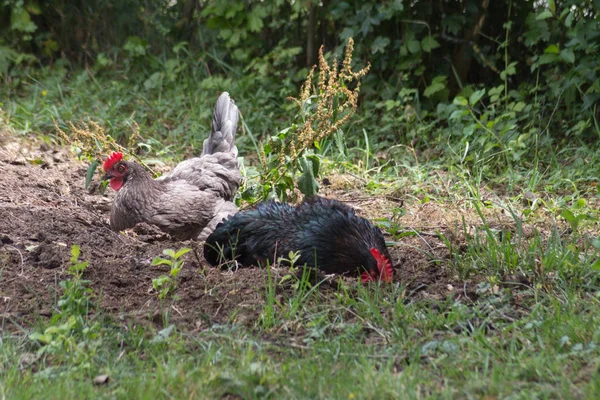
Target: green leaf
[[285, 278], [159, 282], [75, 252], [307, 183], [163, 334], [568, 55], [182, 251], [414, 46], [495, 91], [433, 89], [460, 101], [33, 7], [547, 59], [391, 104], [405, 234], [552, 49], [544, 15], [438, 84], [458, 114], [569, 20], [161, 261], [316, 163], [379, 44], [169, 252], [570, 217], [20, 20], [38, 337], [596, 264], [154, 81], [429, 43], [476, 96], [135, 46], [346, 34], [255, 23], [520, 106], [81, 266], [90, 173], [510, 69]]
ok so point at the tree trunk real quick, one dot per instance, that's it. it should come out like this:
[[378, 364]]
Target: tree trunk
[[462, 58]]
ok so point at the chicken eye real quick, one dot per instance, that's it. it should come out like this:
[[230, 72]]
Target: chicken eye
[[121, 168]]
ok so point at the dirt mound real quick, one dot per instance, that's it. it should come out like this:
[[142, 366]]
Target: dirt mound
[[44, 210]]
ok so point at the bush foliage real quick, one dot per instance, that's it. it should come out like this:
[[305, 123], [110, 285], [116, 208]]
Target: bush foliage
[[488, 83]]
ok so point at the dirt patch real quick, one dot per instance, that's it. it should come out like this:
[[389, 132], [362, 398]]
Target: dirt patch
[[44, 210]]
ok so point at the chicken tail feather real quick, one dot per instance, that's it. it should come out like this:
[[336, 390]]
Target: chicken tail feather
[[224, 126]]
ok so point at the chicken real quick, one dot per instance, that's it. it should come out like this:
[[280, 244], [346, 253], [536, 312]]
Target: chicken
[[194, 197], [327, 233]]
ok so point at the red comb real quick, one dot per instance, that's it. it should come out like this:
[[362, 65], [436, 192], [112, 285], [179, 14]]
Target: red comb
[[383, 265], [114, 158]]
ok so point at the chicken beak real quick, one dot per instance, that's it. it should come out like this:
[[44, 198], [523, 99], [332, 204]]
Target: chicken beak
[[106, 177]]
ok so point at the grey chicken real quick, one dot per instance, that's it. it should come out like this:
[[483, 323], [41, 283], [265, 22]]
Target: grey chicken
[[194, 197]]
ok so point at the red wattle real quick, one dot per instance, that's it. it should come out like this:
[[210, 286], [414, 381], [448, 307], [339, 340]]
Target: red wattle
[[116, 184], [386, 273], [365, 277], [384, 265]]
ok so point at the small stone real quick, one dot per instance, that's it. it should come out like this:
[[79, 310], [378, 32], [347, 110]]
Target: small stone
[[5, 239], [529, 198], [101, 380], [26, 360]]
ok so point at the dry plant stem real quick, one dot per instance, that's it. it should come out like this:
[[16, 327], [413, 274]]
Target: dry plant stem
[[21, 255], [95, 143], [335, 104]]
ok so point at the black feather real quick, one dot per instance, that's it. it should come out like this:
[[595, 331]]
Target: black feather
[[327, 233]]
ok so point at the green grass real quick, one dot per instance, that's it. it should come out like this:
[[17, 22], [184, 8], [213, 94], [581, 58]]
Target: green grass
[[379, 344], [173, 115], [538, 339]]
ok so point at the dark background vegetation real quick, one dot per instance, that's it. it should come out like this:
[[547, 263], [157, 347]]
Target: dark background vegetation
[[537, 60]]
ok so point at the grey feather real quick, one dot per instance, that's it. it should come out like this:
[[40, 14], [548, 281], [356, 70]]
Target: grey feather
[[224, 126], [196, 195]]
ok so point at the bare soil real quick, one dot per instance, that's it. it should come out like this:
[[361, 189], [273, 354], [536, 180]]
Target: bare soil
[[44, 210]]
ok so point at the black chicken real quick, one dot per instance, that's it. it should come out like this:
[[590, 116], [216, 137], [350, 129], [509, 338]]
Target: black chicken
[[327, 233]]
